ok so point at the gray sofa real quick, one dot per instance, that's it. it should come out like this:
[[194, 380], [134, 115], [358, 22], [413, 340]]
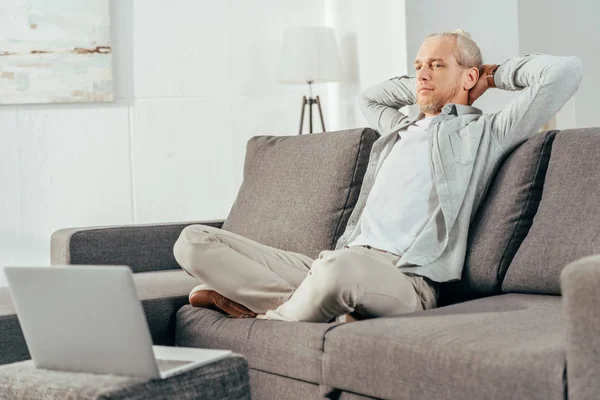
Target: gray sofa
[[523, 323]]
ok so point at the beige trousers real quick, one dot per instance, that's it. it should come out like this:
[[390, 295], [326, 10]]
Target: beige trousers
[[293, 287]]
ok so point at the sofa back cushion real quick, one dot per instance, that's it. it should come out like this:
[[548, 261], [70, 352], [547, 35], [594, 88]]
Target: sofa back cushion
[[502, 221], [567, 224], [298, 191]]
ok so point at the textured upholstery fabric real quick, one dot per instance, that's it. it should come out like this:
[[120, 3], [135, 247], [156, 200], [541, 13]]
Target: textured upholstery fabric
[[352, 396], [298, 191], [501, 347], [502, 221], [289, 349], [566, 226], [141, 247], [163, 293], [267, 386], [12, 342], [580, 281], [226, 379]]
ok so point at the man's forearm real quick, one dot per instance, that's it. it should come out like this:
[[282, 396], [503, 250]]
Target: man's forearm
[[547, 82], [381, 102], [521, 72], [396, 92]]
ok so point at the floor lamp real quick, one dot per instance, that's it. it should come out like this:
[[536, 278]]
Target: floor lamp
[[309, 55]]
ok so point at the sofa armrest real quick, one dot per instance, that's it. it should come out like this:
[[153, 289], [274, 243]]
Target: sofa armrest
[[143, 248], [580, 284], [162, 293]]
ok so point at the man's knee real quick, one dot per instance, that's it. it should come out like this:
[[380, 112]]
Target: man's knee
[[188, 246], [334, 261], [333, 272]]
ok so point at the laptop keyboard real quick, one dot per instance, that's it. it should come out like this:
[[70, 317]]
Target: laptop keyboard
[[167, 365]]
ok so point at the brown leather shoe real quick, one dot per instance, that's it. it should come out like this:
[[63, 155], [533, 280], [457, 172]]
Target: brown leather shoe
[[354, 316], [216, 301]]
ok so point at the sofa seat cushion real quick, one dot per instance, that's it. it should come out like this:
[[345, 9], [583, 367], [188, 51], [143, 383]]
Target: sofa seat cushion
[[299, 191], [501, 347], [292, 349]]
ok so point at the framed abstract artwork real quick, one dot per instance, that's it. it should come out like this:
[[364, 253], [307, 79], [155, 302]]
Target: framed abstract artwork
[[55, 51]]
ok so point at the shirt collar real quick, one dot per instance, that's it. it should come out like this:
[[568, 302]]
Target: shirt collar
[[412, 120], [448, 109], [459, 109]]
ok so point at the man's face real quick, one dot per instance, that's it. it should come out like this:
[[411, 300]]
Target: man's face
[[439, 77]]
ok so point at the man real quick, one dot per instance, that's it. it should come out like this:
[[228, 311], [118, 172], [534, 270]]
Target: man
[[426, 177]]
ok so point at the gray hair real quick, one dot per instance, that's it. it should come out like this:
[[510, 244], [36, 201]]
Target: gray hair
[[467, 52]]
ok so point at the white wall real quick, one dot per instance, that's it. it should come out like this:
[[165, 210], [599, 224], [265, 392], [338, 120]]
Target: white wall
[[567, 28], [372, 40], [194, 79]]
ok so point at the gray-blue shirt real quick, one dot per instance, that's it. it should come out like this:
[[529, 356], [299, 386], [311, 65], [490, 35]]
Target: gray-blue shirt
[[465, 149]]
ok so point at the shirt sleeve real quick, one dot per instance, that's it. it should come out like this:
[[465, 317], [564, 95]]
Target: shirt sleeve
[[546, 84], [381, 102]]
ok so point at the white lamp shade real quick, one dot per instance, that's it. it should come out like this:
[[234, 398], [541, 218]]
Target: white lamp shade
[[309, 54]]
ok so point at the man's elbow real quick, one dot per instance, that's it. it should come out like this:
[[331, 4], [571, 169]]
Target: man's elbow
[[578, 69], [575, 68], [566, 74], [572, 71]]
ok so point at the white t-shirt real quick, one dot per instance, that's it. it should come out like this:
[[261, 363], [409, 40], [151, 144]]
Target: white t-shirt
[[403, 197]]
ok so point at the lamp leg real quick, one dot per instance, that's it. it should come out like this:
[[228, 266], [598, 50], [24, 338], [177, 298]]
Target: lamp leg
[[310, 121], [302, 114], [321, 113]]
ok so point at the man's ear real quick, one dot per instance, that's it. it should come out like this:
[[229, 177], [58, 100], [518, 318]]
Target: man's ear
[[472, 78]]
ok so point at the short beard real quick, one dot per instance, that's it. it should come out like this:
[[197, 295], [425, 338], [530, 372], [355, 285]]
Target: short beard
[[434, 104]]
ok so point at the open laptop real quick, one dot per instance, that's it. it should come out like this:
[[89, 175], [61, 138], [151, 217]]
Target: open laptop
[[89, 319]]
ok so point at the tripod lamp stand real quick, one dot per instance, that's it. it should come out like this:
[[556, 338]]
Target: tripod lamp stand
[[310, 101], [309, 55]]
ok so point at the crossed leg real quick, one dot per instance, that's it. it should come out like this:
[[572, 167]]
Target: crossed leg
[[290, 286]]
